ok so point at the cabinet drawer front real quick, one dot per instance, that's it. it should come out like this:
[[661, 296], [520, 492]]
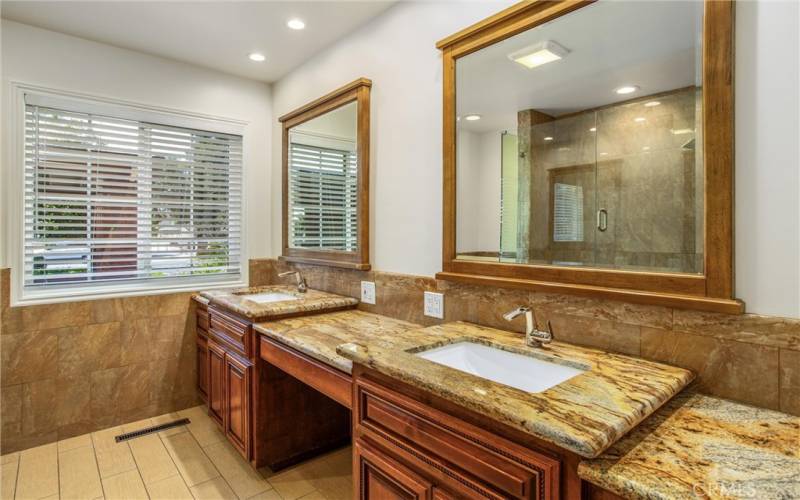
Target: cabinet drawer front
[[202, 318], [230, 331], [238, 377], [508, 467], [379, 477]]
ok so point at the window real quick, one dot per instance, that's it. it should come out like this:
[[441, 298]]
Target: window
[[568, 213], [322, 187], [110, 200]]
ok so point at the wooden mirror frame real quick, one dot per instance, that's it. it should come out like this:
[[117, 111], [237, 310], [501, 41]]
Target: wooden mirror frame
[[356, 91], [712, 290]]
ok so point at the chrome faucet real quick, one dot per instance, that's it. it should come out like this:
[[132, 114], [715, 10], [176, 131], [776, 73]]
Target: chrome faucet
[[533, 336], [301, 281]]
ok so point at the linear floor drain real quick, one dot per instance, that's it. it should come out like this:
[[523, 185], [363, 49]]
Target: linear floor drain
[[150, 430]]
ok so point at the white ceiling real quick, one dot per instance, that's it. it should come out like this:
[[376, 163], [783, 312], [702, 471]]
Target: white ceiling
[[216, 34], [652, 44]]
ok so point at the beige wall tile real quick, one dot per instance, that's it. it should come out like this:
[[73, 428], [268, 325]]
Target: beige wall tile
[[244, 481], [172, 488], [112, 457], [214, 489], [729, 369], [152, 458], [193, 464], [11, 409], [106, 311], [597, 333], [38, 416], [78, 473], [38, 472], [89, 348], [790, 381], [73, 397], [27, 357], [750, 328], [124, 486]]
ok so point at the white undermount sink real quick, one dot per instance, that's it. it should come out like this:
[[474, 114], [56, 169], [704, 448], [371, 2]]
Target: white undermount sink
[[522, 372], [267, 297]]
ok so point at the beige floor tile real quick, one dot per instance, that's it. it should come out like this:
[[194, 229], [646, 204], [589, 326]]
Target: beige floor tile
[[167, 418], [193, 464], [172, 488], [10, 457], [330, 478], [138, 425], [78, 474], [112, 457], [314, 495], [266, 495], [38, 472], [215, 489], [127, 486], [245, 481], [152, 459], [204, 430], [74, 442], [8, 483], [293, 483]]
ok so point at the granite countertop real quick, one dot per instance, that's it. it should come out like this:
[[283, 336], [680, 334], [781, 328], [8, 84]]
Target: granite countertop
[[701, 446], [585, 414], [308, 302], [319, 336]]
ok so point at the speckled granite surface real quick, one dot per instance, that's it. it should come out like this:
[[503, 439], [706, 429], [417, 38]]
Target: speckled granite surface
[[311, 301], [318, 336], [585, 414], [700, 446]]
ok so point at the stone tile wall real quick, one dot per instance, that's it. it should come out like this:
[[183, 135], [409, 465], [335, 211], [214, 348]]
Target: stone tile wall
[[748, 358], [76, 367]]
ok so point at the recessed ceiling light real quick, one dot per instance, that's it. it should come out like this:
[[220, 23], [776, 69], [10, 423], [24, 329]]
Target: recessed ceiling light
[[255, 56], [627, 89], [682, 131], [593, 129], [603, 154], [650, 104], [639, 119], [472, 118], [539, 54], [295, 24], [646, 148], [548, 138]]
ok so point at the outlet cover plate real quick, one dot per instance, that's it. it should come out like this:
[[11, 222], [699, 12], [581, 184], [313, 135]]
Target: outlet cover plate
[[368, 292], [434, 305]]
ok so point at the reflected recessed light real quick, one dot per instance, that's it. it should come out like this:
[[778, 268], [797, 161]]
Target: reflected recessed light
[[563, 148], [472, 118], [593, 129], [603, 154], [296, 24], [539, 54], [548, 138], [682, 131], [646, 148], [650, 104], [627, 89], [639, 119], [255, 56]]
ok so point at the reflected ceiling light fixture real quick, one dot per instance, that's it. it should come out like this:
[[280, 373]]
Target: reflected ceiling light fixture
[[626, 89], [539, 54], [296, 24], [548, 138], [257, 57], [639, 119], [472, 118], [593, 129], [650, 104], [682, 131]]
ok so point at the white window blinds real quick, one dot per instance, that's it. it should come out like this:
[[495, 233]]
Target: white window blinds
[[111, 200], [323, 185], [568, 213]]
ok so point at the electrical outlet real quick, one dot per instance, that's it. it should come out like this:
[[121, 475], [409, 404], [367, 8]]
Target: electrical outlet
[[368, 292], [434, 305]]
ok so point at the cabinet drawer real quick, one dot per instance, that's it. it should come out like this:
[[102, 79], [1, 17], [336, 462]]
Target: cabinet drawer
[[505, 466], [202, 318], [230, 331]]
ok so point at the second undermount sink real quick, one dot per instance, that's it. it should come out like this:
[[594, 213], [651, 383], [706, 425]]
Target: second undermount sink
[[522, 372], [267, 297]]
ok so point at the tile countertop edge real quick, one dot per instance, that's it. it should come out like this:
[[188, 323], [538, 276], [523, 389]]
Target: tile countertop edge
[[585, 437]]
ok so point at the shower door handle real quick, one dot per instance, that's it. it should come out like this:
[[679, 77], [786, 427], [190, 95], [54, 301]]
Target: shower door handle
[[602, 220]]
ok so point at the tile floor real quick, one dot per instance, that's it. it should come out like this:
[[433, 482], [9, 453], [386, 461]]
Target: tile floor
[[191, 461]]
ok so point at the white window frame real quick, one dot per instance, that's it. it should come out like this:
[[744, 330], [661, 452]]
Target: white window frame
[[14, 192]]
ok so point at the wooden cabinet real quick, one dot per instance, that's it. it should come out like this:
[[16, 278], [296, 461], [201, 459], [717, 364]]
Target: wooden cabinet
[[238, 377], [382, 478], [202, 352], [216, 381]]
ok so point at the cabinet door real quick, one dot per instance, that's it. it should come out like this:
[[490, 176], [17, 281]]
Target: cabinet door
[[216, 381], [238, 377], [202, 366], [379, 477]]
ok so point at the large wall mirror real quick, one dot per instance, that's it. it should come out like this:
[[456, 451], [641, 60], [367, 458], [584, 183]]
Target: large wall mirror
[[587, 150], [326, 179]]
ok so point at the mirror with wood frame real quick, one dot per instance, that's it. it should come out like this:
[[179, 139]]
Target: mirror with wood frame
[[587, 149], [326, 179]]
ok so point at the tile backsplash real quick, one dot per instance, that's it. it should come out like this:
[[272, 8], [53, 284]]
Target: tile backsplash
[[749, 358]]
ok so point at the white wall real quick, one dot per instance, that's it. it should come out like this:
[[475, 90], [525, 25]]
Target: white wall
[[397, 52], [40, 57]]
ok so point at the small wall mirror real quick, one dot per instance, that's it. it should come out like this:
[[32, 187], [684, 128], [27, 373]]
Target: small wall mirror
[[326, 179], [577, 154]]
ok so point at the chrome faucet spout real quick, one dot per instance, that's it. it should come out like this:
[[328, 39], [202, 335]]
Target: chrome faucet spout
[[302, 287], [533, 336]]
